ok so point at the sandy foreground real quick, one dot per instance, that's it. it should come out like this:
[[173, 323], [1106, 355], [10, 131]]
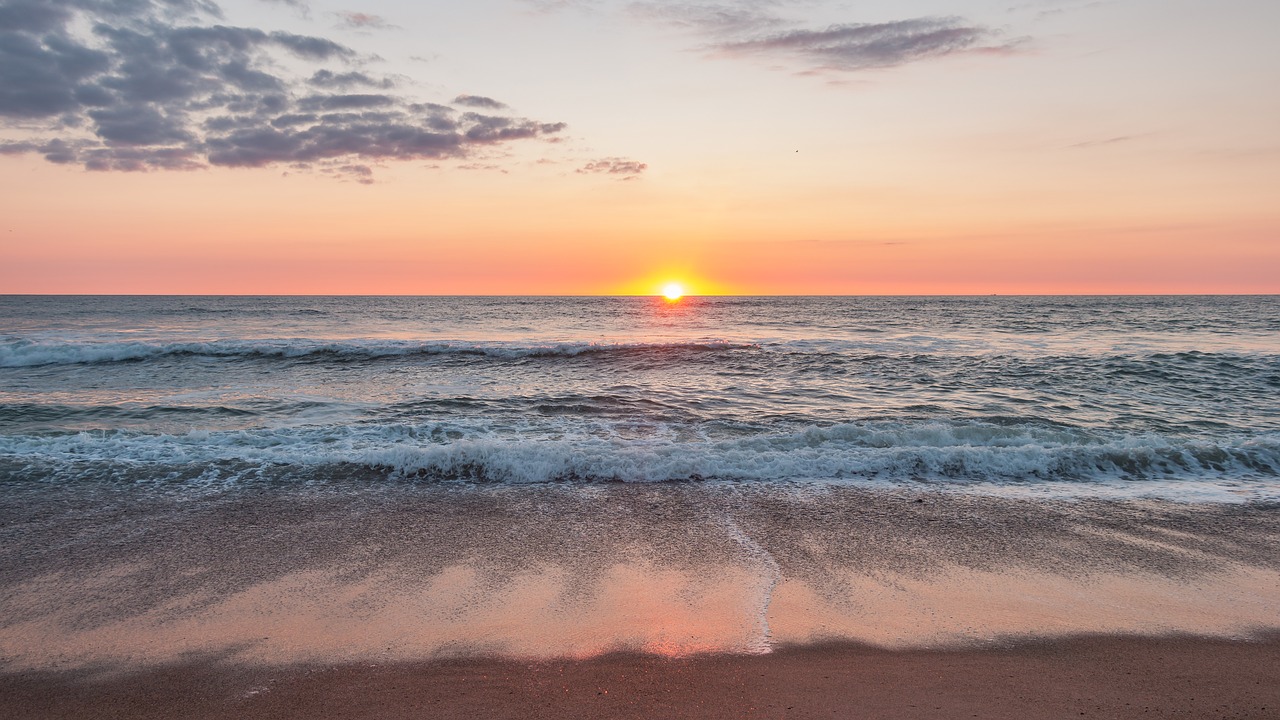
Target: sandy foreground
[[692, 600], [1104, 677]]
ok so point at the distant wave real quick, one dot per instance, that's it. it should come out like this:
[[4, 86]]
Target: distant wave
[[933, 452], [32, 354], [25, 413]]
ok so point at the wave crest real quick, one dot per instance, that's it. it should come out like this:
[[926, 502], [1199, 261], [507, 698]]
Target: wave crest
[[943, 453], [25, 353]]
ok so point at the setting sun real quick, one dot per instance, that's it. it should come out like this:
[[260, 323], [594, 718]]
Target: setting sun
[[673, 291]]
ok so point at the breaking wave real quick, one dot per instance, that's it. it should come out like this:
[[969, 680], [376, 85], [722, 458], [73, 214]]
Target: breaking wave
[[932, 452]]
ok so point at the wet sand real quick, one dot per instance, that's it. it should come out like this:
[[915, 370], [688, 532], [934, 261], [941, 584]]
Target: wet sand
[[1098, 677], [695, 600]]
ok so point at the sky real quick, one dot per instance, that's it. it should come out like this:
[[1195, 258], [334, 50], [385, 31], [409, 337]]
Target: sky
[[570, 147]]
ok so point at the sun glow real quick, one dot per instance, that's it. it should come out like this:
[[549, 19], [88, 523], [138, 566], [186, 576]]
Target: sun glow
[[673, 291]]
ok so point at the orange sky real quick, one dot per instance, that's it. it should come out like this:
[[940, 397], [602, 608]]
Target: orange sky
[[1055, 154]]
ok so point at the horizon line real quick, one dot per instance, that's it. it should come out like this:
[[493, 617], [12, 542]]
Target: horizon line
[[646, 295]]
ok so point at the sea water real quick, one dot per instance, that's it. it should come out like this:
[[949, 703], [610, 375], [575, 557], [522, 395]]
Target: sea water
[[1175, 398]]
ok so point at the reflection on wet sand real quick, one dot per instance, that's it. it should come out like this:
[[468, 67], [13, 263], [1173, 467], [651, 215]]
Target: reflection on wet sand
[[119, 577], [322, 617]]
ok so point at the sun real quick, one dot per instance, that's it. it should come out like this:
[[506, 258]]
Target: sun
[[673, 291]]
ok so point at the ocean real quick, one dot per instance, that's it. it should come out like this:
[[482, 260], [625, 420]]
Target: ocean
[[1171, 398], [280, 482]]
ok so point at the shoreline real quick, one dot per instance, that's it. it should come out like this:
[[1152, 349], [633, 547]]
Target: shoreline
[[402, 575], [1097, 676], [416, 602]]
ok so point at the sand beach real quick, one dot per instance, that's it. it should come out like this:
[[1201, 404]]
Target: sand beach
[[694, 600]]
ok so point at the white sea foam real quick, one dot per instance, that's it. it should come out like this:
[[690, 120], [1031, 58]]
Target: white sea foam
[[953, 455], [768, 577]]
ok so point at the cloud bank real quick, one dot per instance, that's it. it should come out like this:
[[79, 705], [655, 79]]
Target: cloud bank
[[160, 84], [760, 28], [863, 46]]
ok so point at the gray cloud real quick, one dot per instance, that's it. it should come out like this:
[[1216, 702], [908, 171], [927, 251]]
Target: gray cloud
[[364, 21], [490, 129], [18, 148], [345, 102], [625, 169], [157, 84], [483, 166], [311, 48], [330, 79], [362, 174], [761, 28], [709, 18], [301, 7], [478, 101], [870, 45]]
